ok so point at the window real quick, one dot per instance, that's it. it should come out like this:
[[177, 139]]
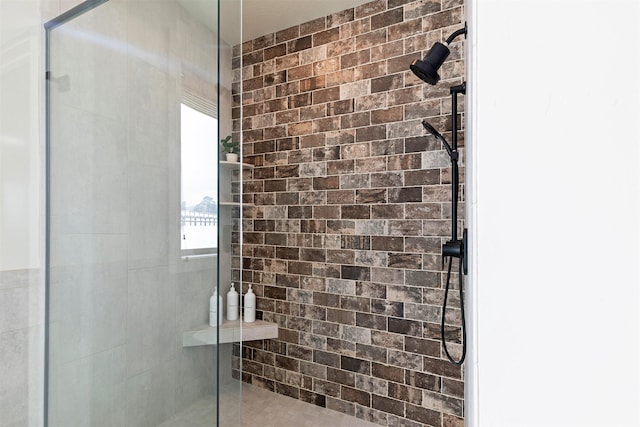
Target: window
[[199, 182]]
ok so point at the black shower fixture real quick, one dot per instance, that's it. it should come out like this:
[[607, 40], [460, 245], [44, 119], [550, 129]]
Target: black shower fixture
[[427, 70]]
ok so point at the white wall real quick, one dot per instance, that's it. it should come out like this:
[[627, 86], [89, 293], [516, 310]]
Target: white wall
[[554, 208]]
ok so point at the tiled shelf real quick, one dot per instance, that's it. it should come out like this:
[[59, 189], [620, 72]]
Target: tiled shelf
[[230, 331]]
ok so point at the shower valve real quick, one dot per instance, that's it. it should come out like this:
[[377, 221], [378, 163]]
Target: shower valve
[[456, 249]]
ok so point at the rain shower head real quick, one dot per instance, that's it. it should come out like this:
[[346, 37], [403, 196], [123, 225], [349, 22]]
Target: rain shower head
[[427, 69]]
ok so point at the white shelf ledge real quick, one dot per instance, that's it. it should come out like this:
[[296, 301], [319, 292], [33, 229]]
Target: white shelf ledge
[[230, 331], [234, 165], [234, 204]]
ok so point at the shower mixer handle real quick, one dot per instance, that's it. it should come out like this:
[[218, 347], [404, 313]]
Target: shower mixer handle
[[456, 249]]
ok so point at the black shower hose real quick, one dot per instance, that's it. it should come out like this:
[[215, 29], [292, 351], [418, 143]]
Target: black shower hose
[[444, 310]]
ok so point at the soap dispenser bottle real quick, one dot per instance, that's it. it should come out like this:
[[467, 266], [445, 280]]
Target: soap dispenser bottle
[[249, 306], [215, 309], [232, 303]]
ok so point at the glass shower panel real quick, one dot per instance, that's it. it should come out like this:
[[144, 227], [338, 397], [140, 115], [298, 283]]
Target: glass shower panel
[[124, 292]]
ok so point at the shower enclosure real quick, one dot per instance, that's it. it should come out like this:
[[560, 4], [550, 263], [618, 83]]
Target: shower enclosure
[[138, 236]]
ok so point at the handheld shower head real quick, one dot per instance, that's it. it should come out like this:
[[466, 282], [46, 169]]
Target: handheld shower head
[[439, 137]]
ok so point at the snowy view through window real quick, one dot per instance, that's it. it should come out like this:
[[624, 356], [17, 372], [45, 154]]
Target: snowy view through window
[[199, 180]]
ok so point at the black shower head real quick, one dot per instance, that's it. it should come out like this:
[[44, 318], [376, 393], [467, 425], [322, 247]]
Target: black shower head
[[427, 69]]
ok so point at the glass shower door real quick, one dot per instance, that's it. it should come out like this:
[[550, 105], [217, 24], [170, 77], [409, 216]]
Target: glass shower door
[[126, 279]]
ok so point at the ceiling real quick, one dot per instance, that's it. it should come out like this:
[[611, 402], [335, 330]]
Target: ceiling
[[260, 17]]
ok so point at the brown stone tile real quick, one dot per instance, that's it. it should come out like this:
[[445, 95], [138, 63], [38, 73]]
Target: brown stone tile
[[275, 132], [299, 44], [312, 83], [371, 102], [387, 211], [403, 392], [341, 17], [273, 106], [387, 83], [354, 395], [387, 50], [326, 95], [453, 387], [387, 243], [422, 380], [385, 19], [386, 115], [421, 110], [405, 327], [287, 363], [420, 9], [423, 415], [442, 367], [355, 273], [372, 38], [341, 377], [314, 26], [387, 340], [252, 84], [252, 58], [405, 29], [356, 212], [372, 321], [326, 358], [287, 34], [341, 406], [355, 59], [351, 29], [327, 36], [405, 195], [327, 388], [340, 77], [340, 107], [275, 292], [371, 133], [313, 398], [313, 226], [325, 299], [353, 364], [386, 179], [370, 8], [275, 185], [445, 18], [387, 405], [405, 96], [275, 78], [355, 120], [300, 72], [326, 124]]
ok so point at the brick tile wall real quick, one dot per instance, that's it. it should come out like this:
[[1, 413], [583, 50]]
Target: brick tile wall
[[350, 204]]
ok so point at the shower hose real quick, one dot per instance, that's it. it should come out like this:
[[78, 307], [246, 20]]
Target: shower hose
[[444, 310]]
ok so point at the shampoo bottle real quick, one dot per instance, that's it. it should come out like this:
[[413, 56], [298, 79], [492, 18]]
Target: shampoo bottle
[[232, 303], [215, 309], [249, 306]]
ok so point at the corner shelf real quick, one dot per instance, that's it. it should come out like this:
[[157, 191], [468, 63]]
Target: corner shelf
[[230, 331], [234, 204], [234, 165]]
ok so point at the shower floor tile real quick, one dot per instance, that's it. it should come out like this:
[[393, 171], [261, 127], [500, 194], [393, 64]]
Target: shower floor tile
[[261, 408]]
